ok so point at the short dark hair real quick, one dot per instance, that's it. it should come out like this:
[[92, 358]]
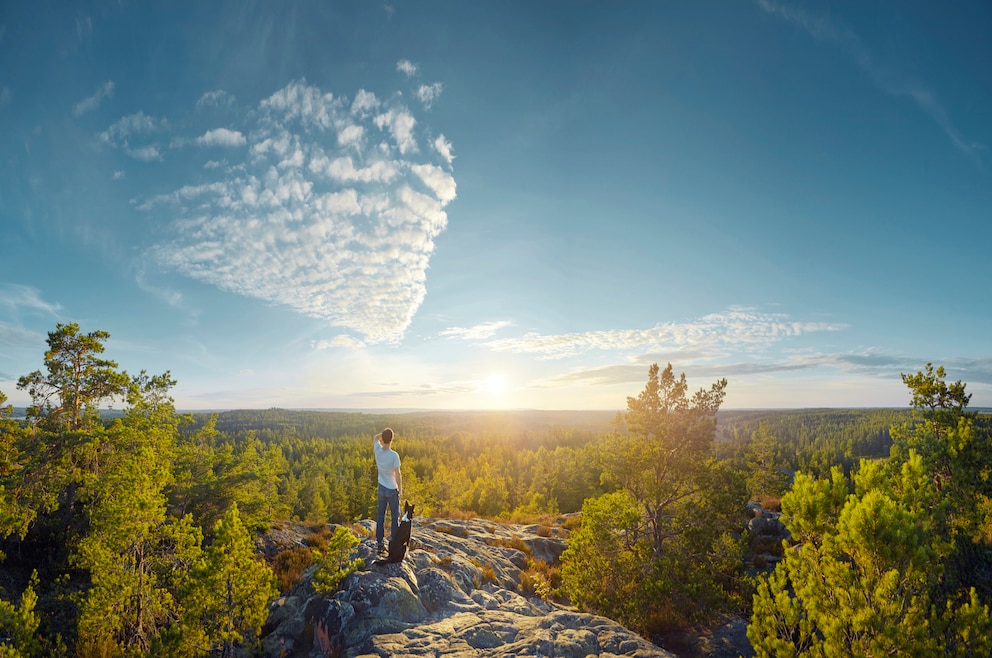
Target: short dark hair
[[387, 435]]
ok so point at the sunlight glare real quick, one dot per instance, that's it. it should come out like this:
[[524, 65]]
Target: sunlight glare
[[495, 384]]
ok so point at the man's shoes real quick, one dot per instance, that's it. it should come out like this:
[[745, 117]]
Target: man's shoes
[[380, 548]]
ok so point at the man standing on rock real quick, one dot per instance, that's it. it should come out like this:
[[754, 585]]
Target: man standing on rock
[[390, 485]]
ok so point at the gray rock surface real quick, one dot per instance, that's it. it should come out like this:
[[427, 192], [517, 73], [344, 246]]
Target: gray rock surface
[[766, 532], [455, 594]]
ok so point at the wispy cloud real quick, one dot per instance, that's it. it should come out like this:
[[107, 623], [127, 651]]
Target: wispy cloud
[[145, 153], [4, 97], [342, 342], [106, 90], [635, 371], [427, 94], [478, 332], [734, 327], [406, 67], [84, 27], [171, 297], [15, 297], [443, 147], [215, 98], [18, 337], [133, 135], [328, 213], [827, 30], [704, 364]]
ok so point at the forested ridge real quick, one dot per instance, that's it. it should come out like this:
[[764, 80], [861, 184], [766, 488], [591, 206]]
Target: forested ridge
[[128, 535]]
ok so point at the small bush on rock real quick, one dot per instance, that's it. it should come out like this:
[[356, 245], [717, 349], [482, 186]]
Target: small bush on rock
[[335, 563]]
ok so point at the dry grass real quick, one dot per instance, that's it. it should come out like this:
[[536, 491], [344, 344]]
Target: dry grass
[[539, 579], [319, 536], [289, 566], [514, 542], [488, 574], [773, 503]]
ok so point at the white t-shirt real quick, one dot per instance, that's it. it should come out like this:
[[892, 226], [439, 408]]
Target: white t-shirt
[[387, 460]]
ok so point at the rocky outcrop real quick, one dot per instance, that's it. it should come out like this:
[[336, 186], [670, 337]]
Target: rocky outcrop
[[766, 532], [457, 593]]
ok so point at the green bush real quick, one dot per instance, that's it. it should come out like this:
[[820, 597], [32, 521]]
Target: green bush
[[334, 564]]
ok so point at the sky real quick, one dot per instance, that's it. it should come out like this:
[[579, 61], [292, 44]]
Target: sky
[[474, 205]]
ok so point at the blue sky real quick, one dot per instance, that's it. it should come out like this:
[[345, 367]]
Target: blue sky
[[502, 204]]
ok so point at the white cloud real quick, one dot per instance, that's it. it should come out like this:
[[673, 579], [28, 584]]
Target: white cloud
[[400, 124], [316, 218], [739, 328], [443, 147], [427, 94], [4, 97], [438, 180], [119, 175], [215, 98], [300, 101], [343, 169], [341, 342], [221, 137], [364, 103], [478, 332], [145, 153], [351, 135], [138, 123], [126, 131], [406, 67], [106, 90]]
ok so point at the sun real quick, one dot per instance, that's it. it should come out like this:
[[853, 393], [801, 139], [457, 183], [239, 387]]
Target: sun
[[495, 384]]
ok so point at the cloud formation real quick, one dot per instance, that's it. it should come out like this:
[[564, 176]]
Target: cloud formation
[[106, 90], [327, 213], [736, 327], [406, 67], [221, 137], [134, 134], [16, 298], [427, 94], [215, 98], [443, 147], [478, 332]]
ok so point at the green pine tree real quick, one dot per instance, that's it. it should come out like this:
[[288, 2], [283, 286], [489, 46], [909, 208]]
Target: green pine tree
[[226, 600]]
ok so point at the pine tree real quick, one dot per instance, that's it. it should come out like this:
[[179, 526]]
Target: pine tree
[[226, 600], [883, 560]]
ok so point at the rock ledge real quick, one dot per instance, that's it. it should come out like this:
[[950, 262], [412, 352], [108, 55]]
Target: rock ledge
[[455, 594]]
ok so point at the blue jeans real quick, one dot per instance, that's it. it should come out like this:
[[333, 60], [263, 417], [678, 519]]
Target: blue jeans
[[390, 497]]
